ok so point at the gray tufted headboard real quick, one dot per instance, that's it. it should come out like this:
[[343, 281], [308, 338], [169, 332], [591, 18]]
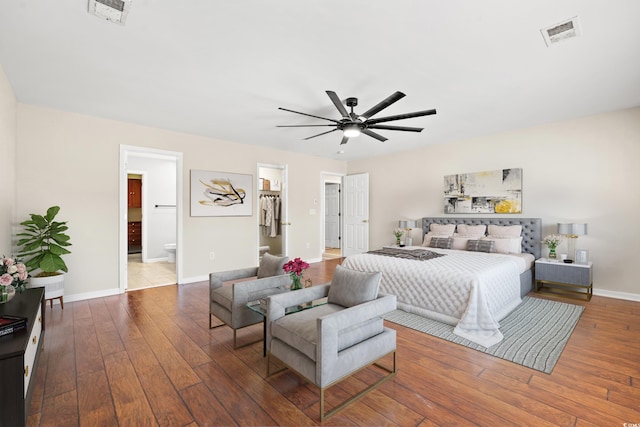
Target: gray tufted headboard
[[531, 228]]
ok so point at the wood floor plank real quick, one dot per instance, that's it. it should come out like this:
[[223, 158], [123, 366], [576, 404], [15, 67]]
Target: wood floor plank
[[93, 408], [113, 361], [130, 401], [205, 407], [164, 399]]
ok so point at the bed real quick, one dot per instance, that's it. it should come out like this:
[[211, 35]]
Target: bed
[[471, 290]]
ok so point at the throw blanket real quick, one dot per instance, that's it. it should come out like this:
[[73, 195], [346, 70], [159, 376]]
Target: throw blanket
[[470, 290], [417, 254]]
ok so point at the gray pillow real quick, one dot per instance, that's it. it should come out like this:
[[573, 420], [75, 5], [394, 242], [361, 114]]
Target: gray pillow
[[351, 287], [271, 265], [480, 245], [441, 242]]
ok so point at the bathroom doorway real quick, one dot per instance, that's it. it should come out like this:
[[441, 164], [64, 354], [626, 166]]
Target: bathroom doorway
[[150, 221]]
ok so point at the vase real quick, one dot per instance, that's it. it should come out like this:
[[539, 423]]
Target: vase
[[7, 293], [398, 241], [296, 282], [552, 253]]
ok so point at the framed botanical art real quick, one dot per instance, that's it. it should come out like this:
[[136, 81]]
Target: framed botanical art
[[221, 194], [498, 191]]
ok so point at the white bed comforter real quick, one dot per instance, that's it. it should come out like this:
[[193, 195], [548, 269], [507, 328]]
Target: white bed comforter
[[471, 290]]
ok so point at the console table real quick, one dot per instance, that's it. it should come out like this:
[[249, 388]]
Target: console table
[[19, 356]]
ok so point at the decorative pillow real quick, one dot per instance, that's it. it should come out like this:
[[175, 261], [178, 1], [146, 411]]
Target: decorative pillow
[[480, 245], [271, 265], [442, 229], [460, 242], [471, 230], [351, 287], [441, 242], [428, 236], [506, 245], [505, 230]]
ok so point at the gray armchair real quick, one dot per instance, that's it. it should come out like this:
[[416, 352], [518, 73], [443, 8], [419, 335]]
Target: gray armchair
[[329, 342], [229, 302]]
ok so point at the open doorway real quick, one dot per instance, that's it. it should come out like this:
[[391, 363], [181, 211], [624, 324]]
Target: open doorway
[[272, 210], [332, 216], [150, 220]]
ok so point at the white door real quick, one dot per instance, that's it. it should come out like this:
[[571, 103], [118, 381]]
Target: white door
[[356, 214], [332, 215]]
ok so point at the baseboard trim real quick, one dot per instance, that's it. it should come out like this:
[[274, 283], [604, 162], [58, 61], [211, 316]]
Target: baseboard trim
[[617, 295]]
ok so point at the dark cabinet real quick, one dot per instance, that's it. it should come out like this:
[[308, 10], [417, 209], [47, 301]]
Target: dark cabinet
[[135, 236], [19, 356], [135, 193]]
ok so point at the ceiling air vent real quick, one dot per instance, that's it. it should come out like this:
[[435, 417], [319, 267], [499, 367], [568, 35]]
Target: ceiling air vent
[[562, 31], [111, 10]]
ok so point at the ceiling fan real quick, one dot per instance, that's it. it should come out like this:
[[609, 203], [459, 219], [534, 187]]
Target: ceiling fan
[[352, 124]]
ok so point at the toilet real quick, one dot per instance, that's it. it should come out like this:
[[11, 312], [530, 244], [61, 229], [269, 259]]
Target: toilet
[[171, 251]]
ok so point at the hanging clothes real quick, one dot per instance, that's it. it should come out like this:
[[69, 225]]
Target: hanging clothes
[[270, 210]]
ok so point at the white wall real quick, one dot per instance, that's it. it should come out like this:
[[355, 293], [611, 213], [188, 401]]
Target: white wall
[[72, 160], [8, 106], [585, 170]]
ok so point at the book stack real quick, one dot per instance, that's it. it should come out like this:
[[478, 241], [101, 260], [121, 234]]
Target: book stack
[[11, 324]]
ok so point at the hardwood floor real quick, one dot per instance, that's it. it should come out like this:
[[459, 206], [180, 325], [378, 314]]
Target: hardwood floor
[[148, 358]]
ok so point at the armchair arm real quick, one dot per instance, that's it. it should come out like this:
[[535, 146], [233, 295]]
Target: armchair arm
[[378, 307], [277, 304], [244, 291], [330, 325], [217, 279]]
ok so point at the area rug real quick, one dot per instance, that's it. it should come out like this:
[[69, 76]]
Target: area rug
[[535, 333]]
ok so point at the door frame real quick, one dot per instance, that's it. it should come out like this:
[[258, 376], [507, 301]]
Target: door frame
[[324, 176], [284, 200], [125, 151]]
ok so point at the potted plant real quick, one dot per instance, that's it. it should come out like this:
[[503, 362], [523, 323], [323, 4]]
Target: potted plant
[[42, 244]]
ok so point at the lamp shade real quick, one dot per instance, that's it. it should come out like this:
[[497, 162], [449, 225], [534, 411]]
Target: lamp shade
[[410, 223], [572, 229]]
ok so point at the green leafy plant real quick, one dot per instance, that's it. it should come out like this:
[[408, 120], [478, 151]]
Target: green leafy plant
[[43, 242]]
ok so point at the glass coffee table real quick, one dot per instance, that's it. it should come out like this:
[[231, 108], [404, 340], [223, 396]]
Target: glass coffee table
[[258, 303]]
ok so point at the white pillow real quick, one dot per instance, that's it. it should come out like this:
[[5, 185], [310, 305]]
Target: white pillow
[[442, 229], [471, 230], [505, 230], [506, 245], [460, 242]]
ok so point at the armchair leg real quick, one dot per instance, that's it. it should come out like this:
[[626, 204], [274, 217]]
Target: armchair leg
[[390, 374], [211, 323]]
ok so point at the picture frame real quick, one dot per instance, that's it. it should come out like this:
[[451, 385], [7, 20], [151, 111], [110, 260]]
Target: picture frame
[[216, 193], [582, 256], [488, 192]]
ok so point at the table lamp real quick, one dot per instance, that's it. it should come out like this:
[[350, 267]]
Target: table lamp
[[571, 232], [408, 225]]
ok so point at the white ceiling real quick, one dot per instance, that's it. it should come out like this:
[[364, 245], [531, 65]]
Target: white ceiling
[[221, 68]]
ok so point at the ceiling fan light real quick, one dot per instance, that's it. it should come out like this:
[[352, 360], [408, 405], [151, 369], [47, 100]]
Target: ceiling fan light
[[351, 131]]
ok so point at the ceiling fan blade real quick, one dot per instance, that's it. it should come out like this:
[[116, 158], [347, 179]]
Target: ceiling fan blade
[[374, 135], [401, 116], [336, 101], [323, 133], [302, 126], [345, 139], [305, 114], [389, 127], [382, 105]]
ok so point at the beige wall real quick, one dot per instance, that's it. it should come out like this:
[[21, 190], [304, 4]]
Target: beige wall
[[72, 160], [585, 170], [8, 107]]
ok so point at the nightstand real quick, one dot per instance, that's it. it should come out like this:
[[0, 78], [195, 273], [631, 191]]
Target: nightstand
[[559, 278]]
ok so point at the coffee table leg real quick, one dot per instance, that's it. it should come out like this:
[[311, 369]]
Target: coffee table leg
[[264, 338]]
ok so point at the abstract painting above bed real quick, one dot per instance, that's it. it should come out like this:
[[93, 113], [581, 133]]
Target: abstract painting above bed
[[471, 290]]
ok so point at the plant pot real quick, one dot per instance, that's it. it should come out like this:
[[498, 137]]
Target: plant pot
[[53, 285]]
